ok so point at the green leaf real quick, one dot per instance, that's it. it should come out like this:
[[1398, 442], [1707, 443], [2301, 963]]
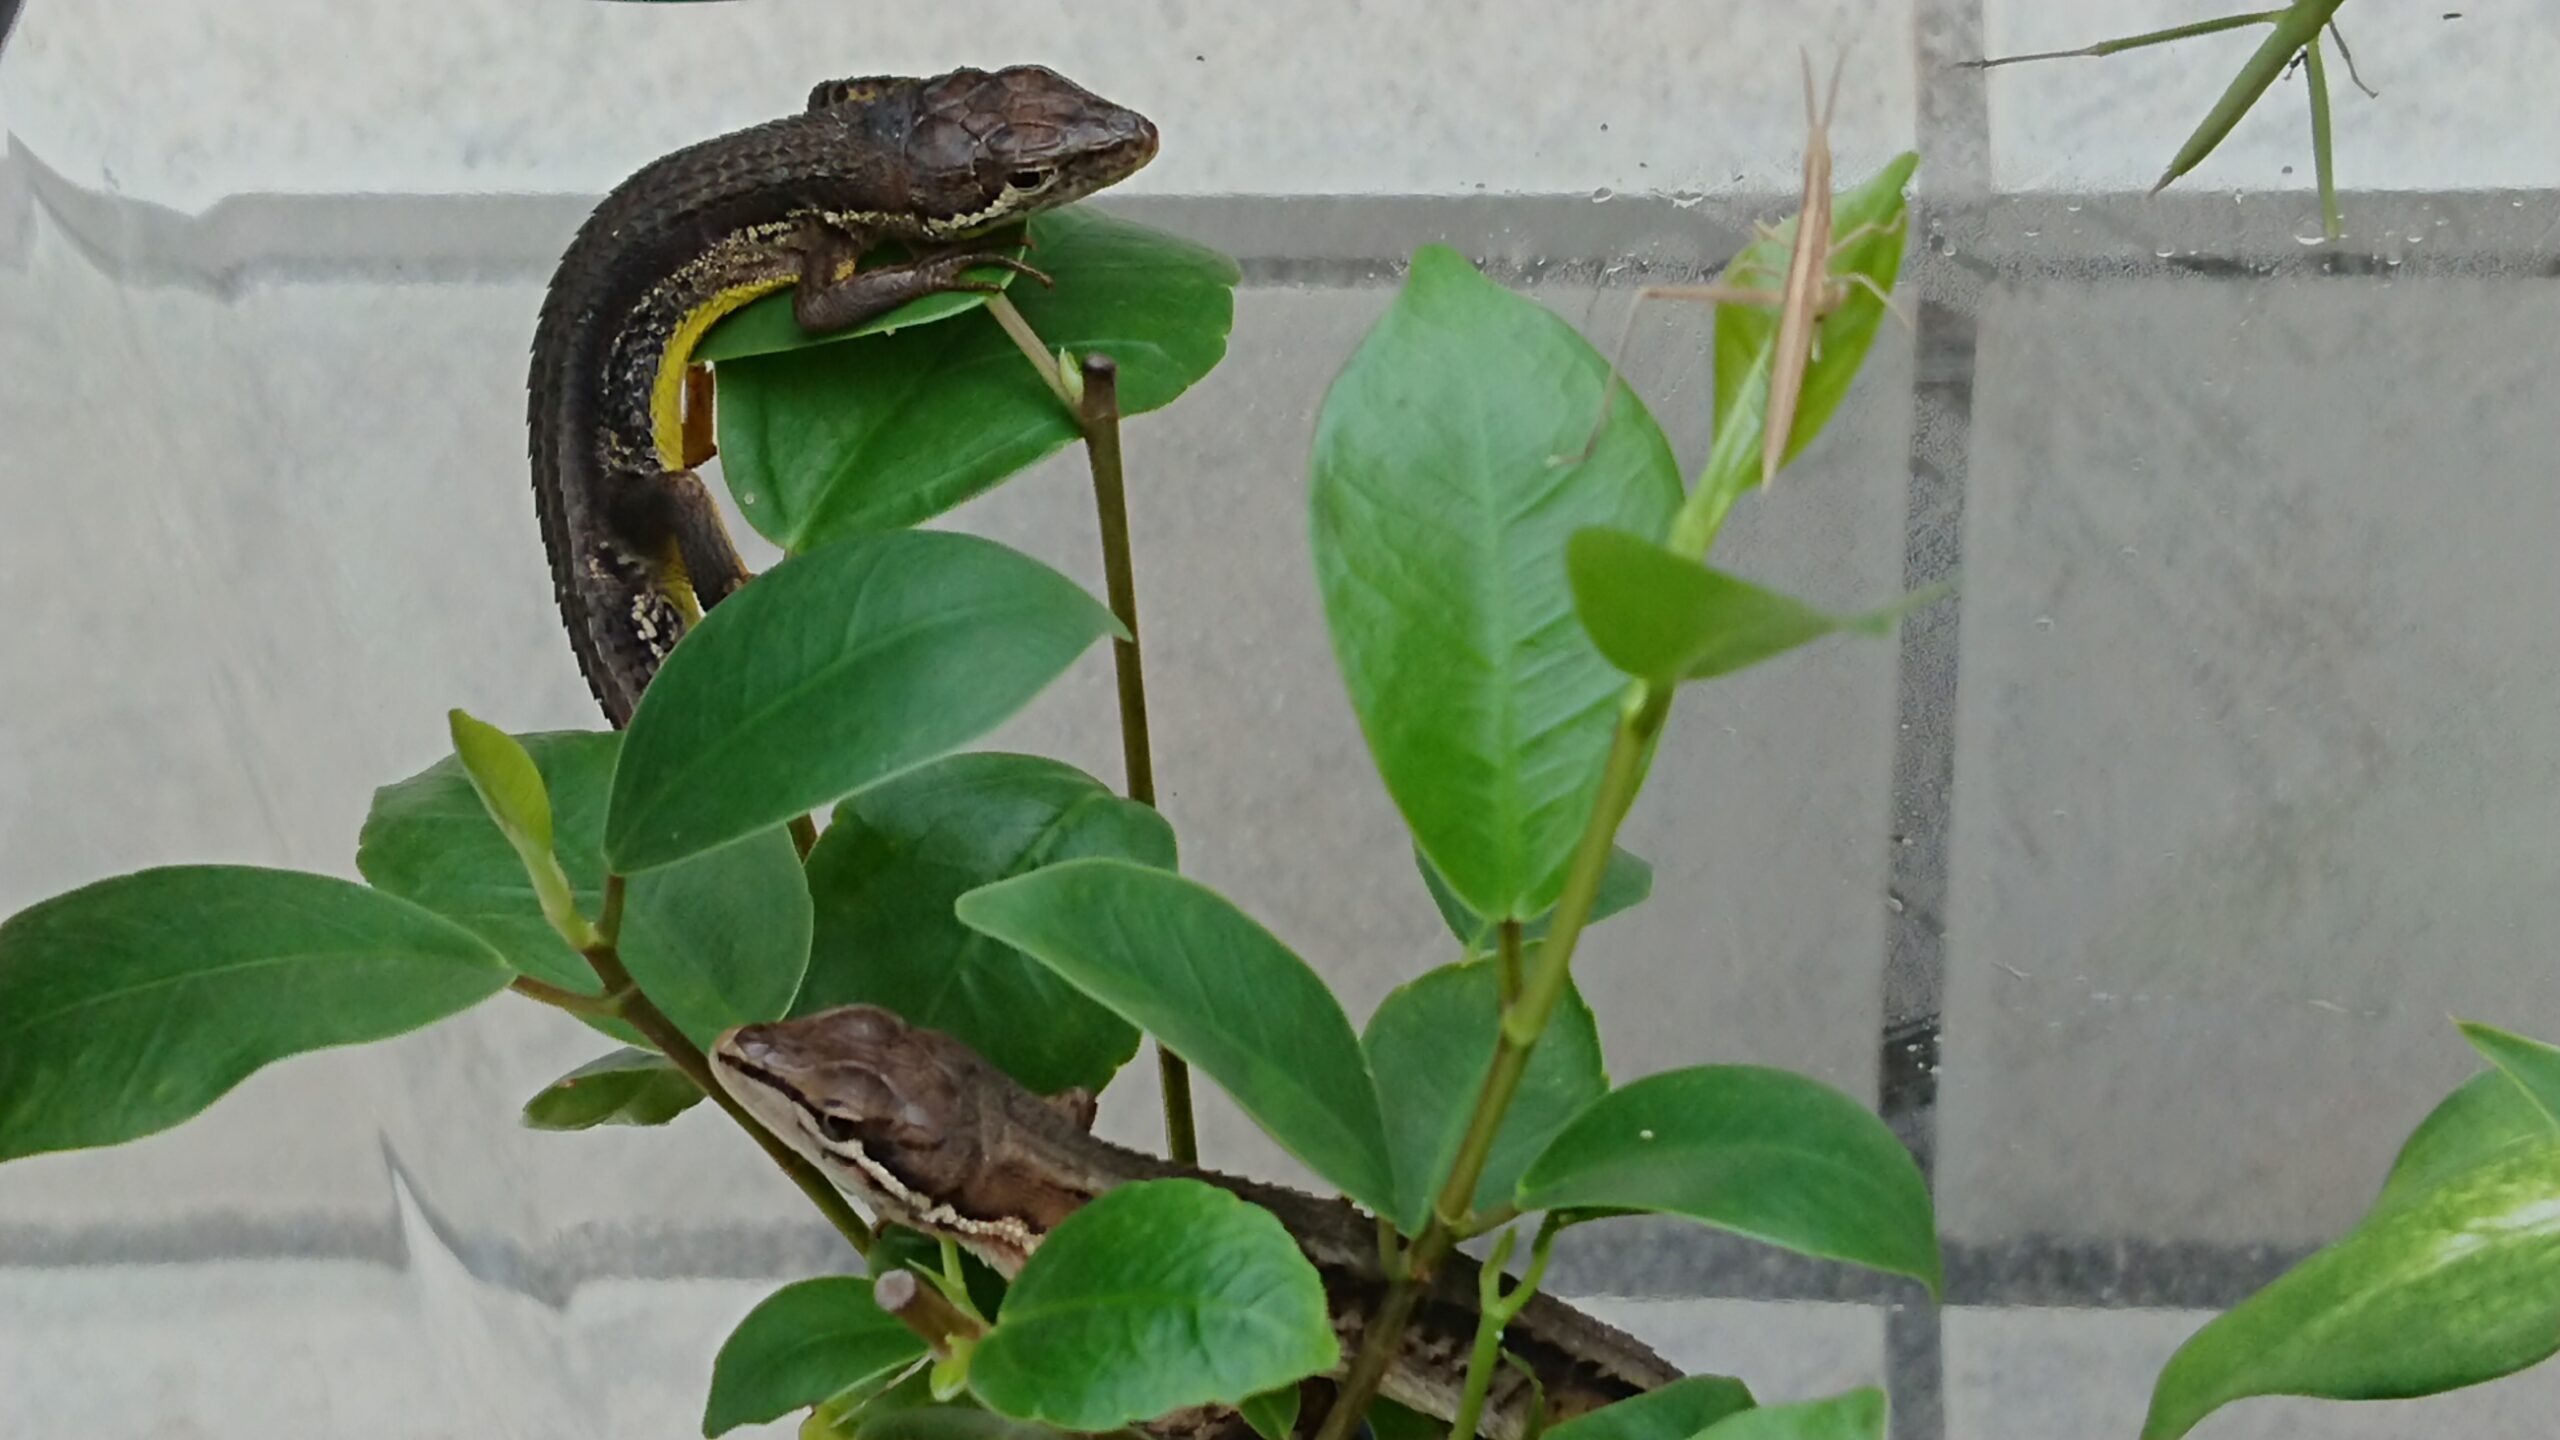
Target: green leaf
[[1760, 1152], [2487, 1114], [2532, 1065], [2446, 1288], [1677, 1411], [627, 1087], [833, 671], [830, 442], [1449, 469], [1747, 334], [1179, 961], [1391, 1421], [952, 1422], [1664, 618], [1273, 1414], [510, 789], [1156, 1297], [885, 876], [716, 941], [1858, 1415], [1624, 884], [767, 326], [1429, 1046], [801, 1344], [129, 1005]]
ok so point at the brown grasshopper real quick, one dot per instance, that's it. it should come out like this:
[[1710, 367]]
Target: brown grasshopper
[[1806, 292]]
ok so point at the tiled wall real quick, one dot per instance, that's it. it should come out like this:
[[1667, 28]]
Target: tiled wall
[[2135, 886]]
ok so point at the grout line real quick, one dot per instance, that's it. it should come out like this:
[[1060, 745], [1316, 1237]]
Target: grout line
[[1953, 137], [1644, 1259]]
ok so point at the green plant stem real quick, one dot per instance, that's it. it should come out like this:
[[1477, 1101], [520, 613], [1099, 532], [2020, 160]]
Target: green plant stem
[[1506, 962], [2135, 42], [2323, 160], [1639, 722], [1495, 1311], [1032, 347], [1100, 417], [559, 998], [926, 1311], [630, 1004]]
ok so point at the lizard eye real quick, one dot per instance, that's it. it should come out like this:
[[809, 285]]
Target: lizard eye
[[838, 1128], [1026, 179]]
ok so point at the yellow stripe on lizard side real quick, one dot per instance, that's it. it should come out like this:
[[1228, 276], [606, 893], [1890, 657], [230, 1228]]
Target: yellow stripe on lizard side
[[666, 393]]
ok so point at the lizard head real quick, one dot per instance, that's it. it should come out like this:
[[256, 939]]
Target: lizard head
[[986, 147], [910, 1121]]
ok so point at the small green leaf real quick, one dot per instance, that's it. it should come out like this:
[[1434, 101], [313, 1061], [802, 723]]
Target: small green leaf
[[1677, 1411], [1429, 1046], [1453, 456], [885, 876], [1858, 1415], [1664, 618], [507, 783], [1273, 1414], [2442, 1289], [2487, 1114], [767, 326], [716, 941], [1747, 334], [627, 1087], [1624, 884], [1760, 1152], [835, 670], [128, 1005], [800, 1345], [1156, 1297], [826, 443], [510, 789], [2532, 1065], [1181, 962]]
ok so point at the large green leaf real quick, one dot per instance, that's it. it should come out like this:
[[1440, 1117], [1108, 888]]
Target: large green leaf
[[716, 941], [626, 1087], [1665, 618], [1857, 1415], [2532, 1065], [1761, 1152], [887, 872], [833, 671], [1624, 884], [1179, 961], [1745, 334], [1429, 1046], [1450, 466], [825, 443], [2441, 1289], [1676, 1411], [1156, 1297], [801, 1344], [129, 1005]]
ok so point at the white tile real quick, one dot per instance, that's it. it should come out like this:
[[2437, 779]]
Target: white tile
[[2462, 103], [2041, 1374]]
